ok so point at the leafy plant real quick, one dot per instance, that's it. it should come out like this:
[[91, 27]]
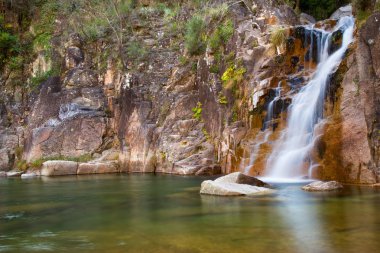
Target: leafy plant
[[197, 111], [233, 74], [222, 99], [136, 51], [194, 42], [278, 37]]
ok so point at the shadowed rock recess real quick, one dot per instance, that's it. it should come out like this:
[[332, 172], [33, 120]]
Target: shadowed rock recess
[[150, 104]]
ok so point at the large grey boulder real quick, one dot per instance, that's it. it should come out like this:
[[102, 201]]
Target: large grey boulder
[[322, 186], [59, 168], [306, 19], [228, 186], [342, 12]]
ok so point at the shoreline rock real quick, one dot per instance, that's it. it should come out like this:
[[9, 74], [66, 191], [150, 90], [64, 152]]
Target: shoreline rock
[[322, 186], [228, 186]]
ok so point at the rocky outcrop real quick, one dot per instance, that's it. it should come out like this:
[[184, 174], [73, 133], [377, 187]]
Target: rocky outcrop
[[139, 117], [348, 149], [228, 186], [342, 12], [59, 168], [322, 186]]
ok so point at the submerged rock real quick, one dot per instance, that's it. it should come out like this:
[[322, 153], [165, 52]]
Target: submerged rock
[[59, 168], [28, 175], [322, 186], [228, 186]]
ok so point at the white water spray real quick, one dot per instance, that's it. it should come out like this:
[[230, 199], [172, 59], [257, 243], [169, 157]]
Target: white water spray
[[291, 151]]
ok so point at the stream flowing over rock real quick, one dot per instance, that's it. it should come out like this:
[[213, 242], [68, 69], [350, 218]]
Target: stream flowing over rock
[[90, 101]]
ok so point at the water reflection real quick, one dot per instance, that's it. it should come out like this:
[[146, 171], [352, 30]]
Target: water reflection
[[147, 213]]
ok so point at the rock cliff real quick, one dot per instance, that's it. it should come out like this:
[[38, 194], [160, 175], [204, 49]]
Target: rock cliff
[[163, 109]]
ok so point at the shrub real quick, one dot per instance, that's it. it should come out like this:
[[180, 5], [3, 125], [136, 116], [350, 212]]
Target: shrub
[[222, 99], [194, 42], [136, 51], [278, 37], [197, 111], [22, 165], [37, 163], [42, 77], [214, 69], [217, 12], [221, 35], [233, 74]]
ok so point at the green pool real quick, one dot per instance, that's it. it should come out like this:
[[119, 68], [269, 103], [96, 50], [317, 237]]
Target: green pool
[[163, 213]]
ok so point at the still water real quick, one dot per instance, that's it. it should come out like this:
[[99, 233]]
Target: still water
[[163, 213]]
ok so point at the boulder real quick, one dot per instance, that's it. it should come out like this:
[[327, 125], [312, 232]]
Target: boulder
[[28, 175], [97, 168], [306, 19], [14, 173], [322, 186], [3, 174], [209, 170], [59, 168], [231, 189], [376, 185], [228, 186], [245, 179], [342, 12]]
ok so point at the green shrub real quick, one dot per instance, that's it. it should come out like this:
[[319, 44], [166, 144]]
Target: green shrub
[[214, 69], [194, 41], [233, 74], [37, 163], [278, 37], [197, 111], [217, 12], [42, 77], [221, 35], [136, 51], [22, 165], [222, 99]]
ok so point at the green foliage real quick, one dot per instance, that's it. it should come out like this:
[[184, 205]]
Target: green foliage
[[214, 69], [197, 111], [42, 77], [22, 165], [361, 5], [221, 35], [183, 60], [205, 133], [278, 37], [217, 12], [36, 164], [362, 16], [136, 51], [9, 43], [194, 37], [233, 74], [321, 9], [222, 99]]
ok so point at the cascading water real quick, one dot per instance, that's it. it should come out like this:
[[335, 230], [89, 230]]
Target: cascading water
[[291, 150]]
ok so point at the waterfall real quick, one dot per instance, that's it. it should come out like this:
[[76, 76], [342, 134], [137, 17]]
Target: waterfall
[[291, 151]]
